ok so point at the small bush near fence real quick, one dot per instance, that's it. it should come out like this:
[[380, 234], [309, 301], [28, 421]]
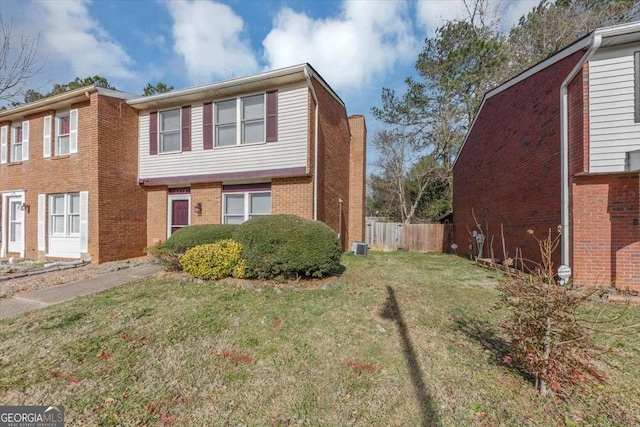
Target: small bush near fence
[[288, 246], [214, 261], [170, 251]]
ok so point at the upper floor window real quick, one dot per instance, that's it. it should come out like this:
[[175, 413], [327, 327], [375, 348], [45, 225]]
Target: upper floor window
[[240, 121], [63, 135], [16, 143], [170, 130]]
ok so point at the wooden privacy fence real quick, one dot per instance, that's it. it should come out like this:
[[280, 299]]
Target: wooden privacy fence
[[391, 236]]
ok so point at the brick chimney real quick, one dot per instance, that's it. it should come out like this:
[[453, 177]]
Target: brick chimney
[[357, 177]]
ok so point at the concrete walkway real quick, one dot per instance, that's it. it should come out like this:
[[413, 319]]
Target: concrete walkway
[[21, 303]]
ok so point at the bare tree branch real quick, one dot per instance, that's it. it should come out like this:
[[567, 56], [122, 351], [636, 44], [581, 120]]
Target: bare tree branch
[[19, 62]]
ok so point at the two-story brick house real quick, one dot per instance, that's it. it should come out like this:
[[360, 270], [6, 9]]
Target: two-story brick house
[[68, 178], [559, 145], [102, 174], [276, 142]]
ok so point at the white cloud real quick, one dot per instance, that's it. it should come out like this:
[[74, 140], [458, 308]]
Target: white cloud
[[432, 13], [208, 36], [367, 40], [73, 37], [512, 11]]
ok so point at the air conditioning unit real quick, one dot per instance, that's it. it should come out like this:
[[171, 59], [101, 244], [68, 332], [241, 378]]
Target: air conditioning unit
[[359, 248], [632, 162]]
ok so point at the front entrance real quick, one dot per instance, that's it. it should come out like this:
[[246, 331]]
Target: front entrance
[[13, 218], [179, 212], [15, 241]]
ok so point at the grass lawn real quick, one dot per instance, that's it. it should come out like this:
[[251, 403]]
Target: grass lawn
[[402, 340]]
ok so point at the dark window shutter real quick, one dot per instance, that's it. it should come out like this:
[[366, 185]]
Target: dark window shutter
[[153, 132], [272, 116], [207, 125], [186, 128]]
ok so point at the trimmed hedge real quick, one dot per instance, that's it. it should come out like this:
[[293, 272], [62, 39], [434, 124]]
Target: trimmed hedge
[[214, 260], [195, 235], [288, 246], [170, 251]]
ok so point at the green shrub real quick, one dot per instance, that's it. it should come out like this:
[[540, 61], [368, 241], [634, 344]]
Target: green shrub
[[214, 260], [194, 235], [288, 246]]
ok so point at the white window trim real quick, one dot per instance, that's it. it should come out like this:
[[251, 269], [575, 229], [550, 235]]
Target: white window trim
[[239, 121], [160, 132], [13, 144], [247, 203], [60, 116], [171, 198], [5, 216], [66, 216]]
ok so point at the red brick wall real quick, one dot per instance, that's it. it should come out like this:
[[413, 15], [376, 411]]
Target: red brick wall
[[210, 195], [122, 202], [62, 174], [333, 163], [156, 214], [509, 169], [292, 196], [606, 242], [357, 178], [106, 166]]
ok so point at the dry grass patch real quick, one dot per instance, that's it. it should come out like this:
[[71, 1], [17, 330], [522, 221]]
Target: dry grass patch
[[404, 339]]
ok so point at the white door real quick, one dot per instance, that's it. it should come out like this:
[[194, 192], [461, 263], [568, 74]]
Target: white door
[[16, 222]]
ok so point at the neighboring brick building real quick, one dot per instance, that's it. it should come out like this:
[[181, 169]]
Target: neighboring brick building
[[518, 169], [229, 151], [68, 178]]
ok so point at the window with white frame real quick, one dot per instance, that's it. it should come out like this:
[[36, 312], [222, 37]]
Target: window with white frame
[[170, 131], [16, 143], [63, 136], [240, 207], [64, 212], [240, 121]]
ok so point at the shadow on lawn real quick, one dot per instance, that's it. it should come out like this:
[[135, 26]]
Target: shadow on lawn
[[486, 335], [391, 310]]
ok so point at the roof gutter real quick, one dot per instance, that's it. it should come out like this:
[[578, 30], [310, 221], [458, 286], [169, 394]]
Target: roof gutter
[[315, 145], [44, 103], [564, 147]]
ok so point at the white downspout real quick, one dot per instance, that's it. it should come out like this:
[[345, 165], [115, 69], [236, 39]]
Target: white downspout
[[315, 148], [564, 147]]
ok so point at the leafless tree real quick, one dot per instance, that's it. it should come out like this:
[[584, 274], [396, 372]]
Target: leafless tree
[[19, 61], [406, 171]]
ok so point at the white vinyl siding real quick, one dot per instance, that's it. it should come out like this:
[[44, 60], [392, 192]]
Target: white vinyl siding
[[612, 128], [288, 152]]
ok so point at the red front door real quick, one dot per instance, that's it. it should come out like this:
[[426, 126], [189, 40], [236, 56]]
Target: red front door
[[179, 214]]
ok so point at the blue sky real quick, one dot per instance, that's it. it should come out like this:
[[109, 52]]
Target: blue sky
[[358, 46]]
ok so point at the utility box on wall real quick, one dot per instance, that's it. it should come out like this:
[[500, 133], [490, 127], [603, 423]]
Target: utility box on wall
[[632, 162]]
